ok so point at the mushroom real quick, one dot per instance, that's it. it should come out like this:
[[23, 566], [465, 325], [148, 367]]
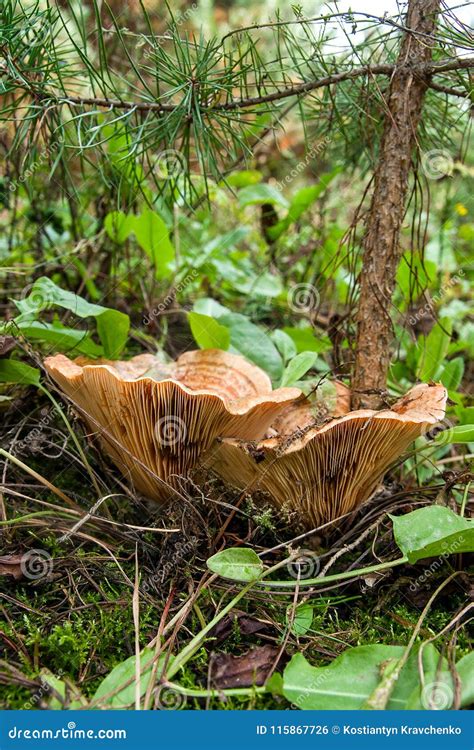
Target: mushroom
[[155, 420], [323, 472]]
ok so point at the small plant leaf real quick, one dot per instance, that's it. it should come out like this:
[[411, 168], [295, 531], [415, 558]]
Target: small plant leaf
[[433, 350], [12, 371], [207, 332], [431, 532], [298, 367], [118, 226], [352, 678], [124, 697], [238, 564], [284, 344], [452, 374], [254, 195], [253, 343], [153, 236], [112, 325], [462, 433], [302, 620]]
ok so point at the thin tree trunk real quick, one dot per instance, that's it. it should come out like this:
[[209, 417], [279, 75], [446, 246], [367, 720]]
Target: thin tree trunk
[[381, 245]]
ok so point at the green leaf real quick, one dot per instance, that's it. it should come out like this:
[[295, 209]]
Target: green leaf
[[465, 670], [462, 433], [433, 350], [255, 195], [303, 619], [452, 374], [306, 341], [118, 226], [284, 344], [208, 306], [300, 202], [298, 367], [436, 694], [61, 337], [123, 673], [112, 325], [207, 332], [153, 236], [254, 344], [13, 371], [243, 178], [354, 676], [431, 532], [238, 564], [112, 328]]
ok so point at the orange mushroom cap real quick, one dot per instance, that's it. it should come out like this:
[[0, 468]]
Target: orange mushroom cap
[[324, 472], [155, 420]]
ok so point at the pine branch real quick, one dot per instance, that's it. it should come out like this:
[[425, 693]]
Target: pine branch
[[422, 71]]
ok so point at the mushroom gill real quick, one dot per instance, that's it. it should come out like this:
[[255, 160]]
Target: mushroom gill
[[155, 420], [323, 472]]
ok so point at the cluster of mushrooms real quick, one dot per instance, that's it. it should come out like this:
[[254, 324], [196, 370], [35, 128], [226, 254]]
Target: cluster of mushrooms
[[215, 411]]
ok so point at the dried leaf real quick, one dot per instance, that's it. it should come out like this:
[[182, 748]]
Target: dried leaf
[[249, 669]]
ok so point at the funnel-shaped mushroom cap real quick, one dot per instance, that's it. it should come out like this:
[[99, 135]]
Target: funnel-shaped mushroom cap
[[304, 413], [156, 420], [323, 472]]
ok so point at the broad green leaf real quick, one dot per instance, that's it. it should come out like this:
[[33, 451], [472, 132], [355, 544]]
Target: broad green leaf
[[433, 350], [112, 325], [255, 195], [118, 226], [300, 202], [254, 344], [61, 337], [465, 414], [437, 693], [13, 371], [431, 532], [465, 670], [284, 344], [207, 332], [303, 619], [76, 699], [153, 236], [306, 341], [348, 682], [112, 328], [238, 564], [208, 306], [452, 374], [462, 433], [123, 673], [298, 367], [414, 275], [244, 178]]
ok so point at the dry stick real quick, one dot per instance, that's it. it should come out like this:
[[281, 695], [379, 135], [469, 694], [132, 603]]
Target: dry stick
[[158, 647], [136, 623], [37, 476], [351, 546], [447, 627]]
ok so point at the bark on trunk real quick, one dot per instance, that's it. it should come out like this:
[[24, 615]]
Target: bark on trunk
[[381, 245]]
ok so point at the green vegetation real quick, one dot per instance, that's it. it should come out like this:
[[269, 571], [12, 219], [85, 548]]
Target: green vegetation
[[166, 188]]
